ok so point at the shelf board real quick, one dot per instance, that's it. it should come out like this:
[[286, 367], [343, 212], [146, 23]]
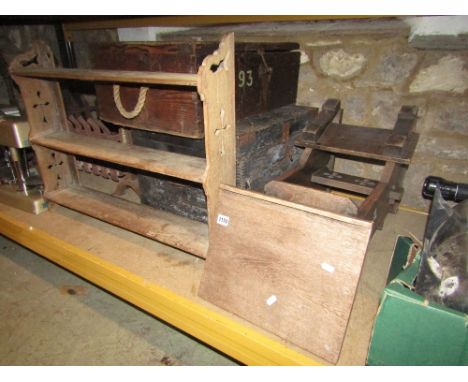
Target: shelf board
[[117, 76], [157, 161], [188, 235]]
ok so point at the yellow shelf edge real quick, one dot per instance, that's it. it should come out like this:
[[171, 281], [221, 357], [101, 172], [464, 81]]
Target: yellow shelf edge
[[230, 337]]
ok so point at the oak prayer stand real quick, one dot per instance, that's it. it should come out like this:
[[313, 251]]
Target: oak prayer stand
[[290, 259], [326, 137]]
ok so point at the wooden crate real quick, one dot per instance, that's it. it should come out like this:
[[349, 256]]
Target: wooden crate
[[266, 78]]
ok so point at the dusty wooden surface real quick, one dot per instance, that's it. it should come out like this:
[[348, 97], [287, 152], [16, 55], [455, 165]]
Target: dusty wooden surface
[[311, 197], [183, 233], [119, 76], [163, 162], [367, 142], [181, 273], [283, 269]]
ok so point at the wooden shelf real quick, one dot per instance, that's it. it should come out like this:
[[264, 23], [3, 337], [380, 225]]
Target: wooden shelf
[[56, 144], [117, 76], [189, 235], [163, 162]]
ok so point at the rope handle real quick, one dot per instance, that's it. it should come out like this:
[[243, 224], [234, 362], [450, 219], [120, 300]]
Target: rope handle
[[138, 107]]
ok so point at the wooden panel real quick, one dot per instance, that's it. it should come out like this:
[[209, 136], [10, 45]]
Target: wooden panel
[[217, 91], [117, 76], [45, 111], [301, 207], [311, 197], [179, 232], [280, 266], [364, 142], [163, 162]]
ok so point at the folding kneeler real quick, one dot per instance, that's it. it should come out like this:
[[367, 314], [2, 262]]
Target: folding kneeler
[[289, 260]]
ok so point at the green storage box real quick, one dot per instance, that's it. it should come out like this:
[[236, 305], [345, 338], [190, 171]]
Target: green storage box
[[411, 331]]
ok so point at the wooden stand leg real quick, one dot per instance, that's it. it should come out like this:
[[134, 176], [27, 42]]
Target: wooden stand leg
[[46, 113], [217, 91]]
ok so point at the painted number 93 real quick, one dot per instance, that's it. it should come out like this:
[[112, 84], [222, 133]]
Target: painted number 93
[[245, 78]]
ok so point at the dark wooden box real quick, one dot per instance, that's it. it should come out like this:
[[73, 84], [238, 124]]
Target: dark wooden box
[[266, 78], [265, 150]]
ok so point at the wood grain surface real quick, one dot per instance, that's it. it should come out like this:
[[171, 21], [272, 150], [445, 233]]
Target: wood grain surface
[[311, 197], [117, 76], [217, 91], [363, 142], [288, 270], [163, 162], [189, 235]]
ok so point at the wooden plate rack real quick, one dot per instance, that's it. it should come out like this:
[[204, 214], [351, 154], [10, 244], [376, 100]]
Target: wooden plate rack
[[56, 145]]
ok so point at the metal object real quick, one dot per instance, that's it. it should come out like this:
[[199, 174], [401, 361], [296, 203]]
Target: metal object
[[22, 190], [456, 192], [32, 202], [18, 170], [14, 132]]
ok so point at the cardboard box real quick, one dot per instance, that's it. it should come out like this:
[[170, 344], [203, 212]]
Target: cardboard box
[[411, 331]]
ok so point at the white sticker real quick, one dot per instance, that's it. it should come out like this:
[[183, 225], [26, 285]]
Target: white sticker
[[327, 267], [223, 220], [271, 300], [448, 286]]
